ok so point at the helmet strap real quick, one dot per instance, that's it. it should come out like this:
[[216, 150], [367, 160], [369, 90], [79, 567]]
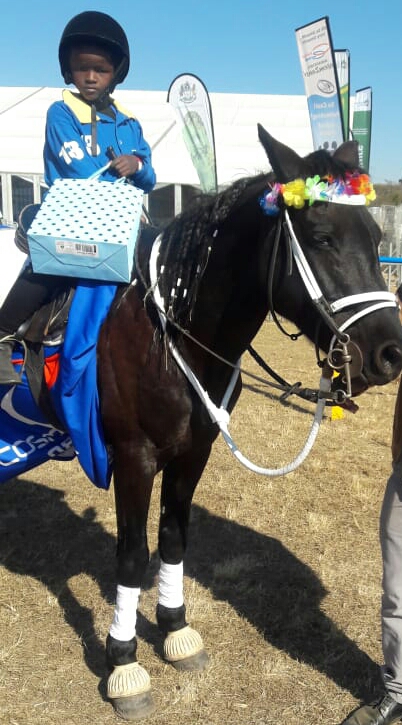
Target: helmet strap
[[94, 131]]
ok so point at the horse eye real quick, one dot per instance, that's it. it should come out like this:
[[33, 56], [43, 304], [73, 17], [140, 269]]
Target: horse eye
[[323, 240]]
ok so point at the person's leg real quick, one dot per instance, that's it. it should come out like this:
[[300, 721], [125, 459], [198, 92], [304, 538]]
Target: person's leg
[[387, 709], [391, 606], [29, 292]]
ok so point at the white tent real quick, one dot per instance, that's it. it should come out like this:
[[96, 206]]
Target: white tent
[[23, 114]]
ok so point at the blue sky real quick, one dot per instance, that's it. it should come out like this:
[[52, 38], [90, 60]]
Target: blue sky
[[234, 46]]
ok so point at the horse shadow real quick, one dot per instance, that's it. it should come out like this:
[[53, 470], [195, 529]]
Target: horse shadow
[[280, 596], [41, 537]]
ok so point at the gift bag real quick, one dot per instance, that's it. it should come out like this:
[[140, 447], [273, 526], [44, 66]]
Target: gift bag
[[87, 228]]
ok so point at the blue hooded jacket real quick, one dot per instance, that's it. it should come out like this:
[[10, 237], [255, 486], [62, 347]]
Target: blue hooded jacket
[[67, 150], [67, 154]]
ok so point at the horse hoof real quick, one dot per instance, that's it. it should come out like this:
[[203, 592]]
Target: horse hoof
[[184, 649], [194, 663], [134, 708], [129, 689]]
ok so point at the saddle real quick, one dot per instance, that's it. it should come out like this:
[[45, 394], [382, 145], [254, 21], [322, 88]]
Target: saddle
[[45, 328], [47, 324]]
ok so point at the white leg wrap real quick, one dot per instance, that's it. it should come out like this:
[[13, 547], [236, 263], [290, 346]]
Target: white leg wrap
[[125, 613], [170, 585]]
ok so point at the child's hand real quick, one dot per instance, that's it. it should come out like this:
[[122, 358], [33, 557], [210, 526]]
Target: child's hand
[[125, 165]]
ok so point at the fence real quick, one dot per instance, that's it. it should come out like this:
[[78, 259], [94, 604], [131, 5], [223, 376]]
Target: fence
[[389, 219]]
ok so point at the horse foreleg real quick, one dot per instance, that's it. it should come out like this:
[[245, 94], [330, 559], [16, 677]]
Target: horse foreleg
[[183, 645], [129, 686]]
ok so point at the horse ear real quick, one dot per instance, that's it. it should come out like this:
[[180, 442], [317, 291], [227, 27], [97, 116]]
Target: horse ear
[[285, 163], [348, 153]]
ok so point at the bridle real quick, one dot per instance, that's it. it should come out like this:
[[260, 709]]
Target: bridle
[[339, 355]]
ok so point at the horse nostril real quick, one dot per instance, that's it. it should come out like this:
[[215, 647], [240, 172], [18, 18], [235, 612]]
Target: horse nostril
[[388, 359]]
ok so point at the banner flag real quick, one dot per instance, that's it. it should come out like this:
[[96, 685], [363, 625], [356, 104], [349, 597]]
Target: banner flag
[[362, 125], [317, 62], [342, 62], [189, 97]]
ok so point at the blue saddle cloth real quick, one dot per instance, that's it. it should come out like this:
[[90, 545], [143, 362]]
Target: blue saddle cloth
[[26, 438]]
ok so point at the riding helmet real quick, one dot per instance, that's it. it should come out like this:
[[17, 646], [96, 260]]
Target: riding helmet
[[100, 29]]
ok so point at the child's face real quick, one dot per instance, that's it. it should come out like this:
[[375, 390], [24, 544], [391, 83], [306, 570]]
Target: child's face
[[92, 71]]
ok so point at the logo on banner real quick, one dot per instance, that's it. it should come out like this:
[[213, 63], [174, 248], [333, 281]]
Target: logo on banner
[[326, 86], [187, 93], [317, 52]]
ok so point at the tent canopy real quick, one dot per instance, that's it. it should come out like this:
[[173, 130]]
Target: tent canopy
[[238, 151]]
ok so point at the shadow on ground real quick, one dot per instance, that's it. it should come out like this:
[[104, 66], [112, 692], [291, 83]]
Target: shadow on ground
[[41, 537]]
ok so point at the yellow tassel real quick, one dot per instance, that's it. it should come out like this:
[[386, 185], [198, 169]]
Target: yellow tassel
[[336, 410]]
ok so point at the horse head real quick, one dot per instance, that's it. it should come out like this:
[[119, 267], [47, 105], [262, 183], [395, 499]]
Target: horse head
[[338, 296]]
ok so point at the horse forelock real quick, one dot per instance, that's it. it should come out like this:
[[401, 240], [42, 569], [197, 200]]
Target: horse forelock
[[323, 164]]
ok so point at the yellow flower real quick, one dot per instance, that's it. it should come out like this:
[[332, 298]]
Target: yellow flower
[[293, 193], [371, 195]]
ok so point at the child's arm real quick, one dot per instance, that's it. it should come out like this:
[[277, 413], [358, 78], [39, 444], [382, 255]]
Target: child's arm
[[65, 154], [138, 165]]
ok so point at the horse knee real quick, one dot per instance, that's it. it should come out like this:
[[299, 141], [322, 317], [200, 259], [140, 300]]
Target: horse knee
[[172, 543], [132, 562]]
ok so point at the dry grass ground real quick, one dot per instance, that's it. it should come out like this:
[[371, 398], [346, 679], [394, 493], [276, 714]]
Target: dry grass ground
[[283, 575]]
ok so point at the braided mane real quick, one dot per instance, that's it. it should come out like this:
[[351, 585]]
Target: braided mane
[[187, 241]]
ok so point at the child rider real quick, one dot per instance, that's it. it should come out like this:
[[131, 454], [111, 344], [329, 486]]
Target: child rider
[[83, 132]]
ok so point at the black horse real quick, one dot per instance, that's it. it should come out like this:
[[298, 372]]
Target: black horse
[[220, 267]]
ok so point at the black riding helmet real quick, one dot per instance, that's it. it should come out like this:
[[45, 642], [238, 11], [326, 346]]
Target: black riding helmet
[[100, 29]]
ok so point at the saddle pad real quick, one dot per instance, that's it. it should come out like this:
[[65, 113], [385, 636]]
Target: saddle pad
[[26, 439]]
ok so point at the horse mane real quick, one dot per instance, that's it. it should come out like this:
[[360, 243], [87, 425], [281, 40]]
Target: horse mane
[[188, 239]]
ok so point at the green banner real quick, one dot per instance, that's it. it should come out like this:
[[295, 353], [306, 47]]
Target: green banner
[[362, 125]]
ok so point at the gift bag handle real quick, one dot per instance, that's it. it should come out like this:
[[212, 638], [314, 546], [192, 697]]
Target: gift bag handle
[[100, 171]]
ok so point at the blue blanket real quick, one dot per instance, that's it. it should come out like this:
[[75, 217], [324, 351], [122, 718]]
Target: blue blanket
[[75, 393], [26, 439]]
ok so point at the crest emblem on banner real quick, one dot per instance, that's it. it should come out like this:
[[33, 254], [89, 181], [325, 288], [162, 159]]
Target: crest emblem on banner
[[187, 93]]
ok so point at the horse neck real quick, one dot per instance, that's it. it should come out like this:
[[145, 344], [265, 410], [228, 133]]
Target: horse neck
[[232, 299]]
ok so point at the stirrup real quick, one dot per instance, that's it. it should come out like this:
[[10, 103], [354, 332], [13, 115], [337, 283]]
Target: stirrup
[[8, 374]]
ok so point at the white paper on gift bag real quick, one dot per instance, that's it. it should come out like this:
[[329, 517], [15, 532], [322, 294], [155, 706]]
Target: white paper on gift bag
[[87, 228]]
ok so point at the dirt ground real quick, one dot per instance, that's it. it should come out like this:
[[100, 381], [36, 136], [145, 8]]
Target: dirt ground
[[283, 575]]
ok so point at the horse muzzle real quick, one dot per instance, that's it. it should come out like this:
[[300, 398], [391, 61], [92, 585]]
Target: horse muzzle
[[356, 376]]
